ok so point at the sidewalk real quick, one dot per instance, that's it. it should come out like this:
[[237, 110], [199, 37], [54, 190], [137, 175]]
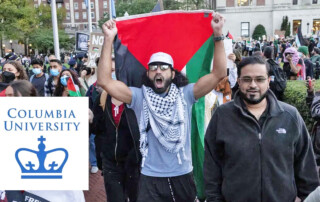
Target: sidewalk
[[96, 191]]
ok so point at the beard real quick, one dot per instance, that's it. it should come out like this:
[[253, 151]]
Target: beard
[[166, 83], [251, 100]]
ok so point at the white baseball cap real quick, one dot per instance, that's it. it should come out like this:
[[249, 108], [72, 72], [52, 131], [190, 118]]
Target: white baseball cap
[[161, 57]]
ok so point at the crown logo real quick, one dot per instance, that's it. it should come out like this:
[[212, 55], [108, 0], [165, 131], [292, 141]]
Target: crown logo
[[41, 164]]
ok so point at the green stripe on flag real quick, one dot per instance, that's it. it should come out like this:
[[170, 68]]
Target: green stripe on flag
[[198, 66]]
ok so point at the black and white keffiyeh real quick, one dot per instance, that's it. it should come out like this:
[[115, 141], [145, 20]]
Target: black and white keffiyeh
[[166, 118]]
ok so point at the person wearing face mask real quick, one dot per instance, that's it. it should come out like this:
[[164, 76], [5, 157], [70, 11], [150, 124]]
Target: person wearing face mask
[[13, 70], [61, 88], [50, 84], [38, 78]]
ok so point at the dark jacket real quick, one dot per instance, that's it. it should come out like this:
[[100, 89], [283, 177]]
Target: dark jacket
[[314, 104], [247, 162], [118, 144]]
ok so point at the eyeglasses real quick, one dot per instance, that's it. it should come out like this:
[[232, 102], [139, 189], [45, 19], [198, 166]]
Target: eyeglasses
[[162, 67], [256, 80]]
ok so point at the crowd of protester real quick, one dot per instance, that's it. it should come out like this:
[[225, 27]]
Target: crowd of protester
[[119, 157]]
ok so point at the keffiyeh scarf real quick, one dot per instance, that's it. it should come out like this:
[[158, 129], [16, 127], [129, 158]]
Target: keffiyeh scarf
[[166, 118]]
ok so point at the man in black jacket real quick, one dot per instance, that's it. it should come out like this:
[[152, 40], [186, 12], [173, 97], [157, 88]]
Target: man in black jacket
[[117, 148], [266, 155]]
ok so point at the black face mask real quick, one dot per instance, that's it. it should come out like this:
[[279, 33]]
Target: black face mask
[[7, 77], [88, 71]]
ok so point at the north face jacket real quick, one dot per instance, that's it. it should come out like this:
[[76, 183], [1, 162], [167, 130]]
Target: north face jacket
[[246, 162]]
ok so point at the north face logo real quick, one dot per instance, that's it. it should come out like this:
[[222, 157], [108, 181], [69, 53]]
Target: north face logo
[[281, 131]]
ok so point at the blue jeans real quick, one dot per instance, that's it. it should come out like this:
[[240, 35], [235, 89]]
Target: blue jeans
[[92, 151]]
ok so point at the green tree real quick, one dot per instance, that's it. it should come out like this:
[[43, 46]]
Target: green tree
[[259, 31], [45, 19], [42, 40], [288, 30], [284, 23]]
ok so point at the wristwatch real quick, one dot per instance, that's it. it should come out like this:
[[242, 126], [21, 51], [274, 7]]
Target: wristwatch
[[218, 38]]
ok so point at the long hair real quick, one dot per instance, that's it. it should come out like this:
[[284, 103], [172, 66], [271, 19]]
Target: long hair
[[23, 88], [60, 88], [23, 75], [179, 80]]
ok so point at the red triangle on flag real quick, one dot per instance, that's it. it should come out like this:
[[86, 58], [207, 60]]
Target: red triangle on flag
[[3, 93], [180, 34], [70, 85]]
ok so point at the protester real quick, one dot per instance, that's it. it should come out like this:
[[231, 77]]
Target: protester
[[62, 88], [21, 88], [278, 79], [12, 70], [73, 65], [50, 84], [39, 78], [313, 102], [266, 155], [293, 65], [164, 144], [304, 55], [117, 146], [85, 78]]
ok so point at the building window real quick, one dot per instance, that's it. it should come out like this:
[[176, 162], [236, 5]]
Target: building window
[[84, 15], [295, 2], [316, 26], [68, 16], [261, 2], [92, 5], [245, 29], [295, 25], [67, 6], [105, 4], [244, 2], [314, 1], [92, 15], [85, 26], [76, 6], [76, 15], [84, 5]]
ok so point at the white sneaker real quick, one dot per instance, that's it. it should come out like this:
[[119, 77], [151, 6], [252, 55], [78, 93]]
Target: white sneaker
[[94, 169]]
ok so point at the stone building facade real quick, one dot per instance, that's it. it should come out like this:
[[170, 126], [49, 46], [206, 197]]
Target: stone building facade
[[244, 15]]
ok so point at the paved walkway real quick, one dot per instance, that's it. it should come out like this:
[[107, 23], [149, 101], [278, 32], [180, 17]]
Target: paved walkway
[[96, 191]]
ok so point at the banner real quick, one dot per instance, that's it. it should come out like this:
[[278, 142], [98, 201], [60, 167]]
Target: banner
[[44, 143], [96, 42], [82, 42]]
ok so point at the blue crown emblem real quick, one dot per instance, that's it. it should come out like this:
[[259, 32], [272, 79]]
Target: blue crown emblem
[[43, 164]]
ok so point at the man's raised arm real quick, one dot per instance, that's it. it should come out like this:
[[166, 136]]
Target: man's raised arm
[[116, 89], [209, 82]]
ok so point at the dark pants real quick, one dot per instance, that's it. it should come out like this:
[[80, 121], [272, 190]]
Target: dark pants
[[167, 189], [119, 183]]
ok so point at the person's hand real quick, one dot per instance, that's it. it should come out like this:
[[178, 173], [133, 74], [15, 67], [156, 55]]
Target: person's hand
[[289, 57], [232, 57], [90, 116], [217, 23], [109, 29], [310, 84]]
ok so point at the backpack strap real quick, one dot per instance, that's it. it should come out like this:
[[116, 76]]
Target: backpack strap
[[103, 99], [50, 85], [31, 78]]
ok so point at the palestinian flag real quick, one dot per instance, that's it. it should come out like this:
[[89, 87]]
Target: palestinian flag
[[229, 36], [3, 87], [299, 38], [187, 37], [73, 88]]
